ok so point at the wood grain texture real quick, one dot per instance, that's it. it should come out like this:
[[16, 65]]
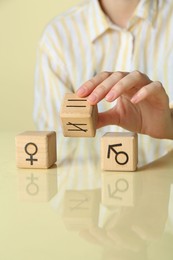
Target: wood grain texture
[[36, 149], [119, 151], [78, 117]]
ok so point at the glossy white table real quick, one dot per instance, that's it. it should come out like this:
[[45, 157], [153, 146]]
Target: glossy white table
[[76, 211]]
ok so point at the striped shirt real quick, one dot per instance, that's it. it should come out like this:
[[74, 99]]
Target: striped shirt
[[82, 42]]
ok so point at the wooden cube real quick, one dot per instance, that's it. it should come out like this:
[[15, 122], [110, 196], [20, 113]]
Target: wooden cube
[[36, 149], [118, 189], [78, 117], [119, 151]]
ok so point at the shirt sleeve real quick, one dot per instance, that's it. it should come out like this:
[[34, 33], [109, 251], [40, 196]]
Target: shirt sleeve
[[51, 83]]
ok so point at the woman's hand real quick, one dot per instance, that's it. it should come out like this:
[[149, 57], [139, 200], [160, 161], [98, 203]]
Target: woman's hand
[[142, 105]]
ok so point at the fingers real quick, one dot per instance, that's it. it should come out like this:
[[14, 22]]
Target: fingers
[[130, 83], [91, 84], [103, 88], [143, 93], [136, 85], [154, 91], [98, 87], [112, 85], [110, 117]]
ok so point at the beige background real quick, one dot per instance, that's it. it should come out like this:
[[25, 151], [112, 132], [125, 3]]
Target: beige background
[[21, 26]]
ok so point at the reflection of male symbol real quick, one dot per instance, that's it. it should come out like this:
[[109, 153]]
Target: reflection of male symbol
[[120, 157], [32, 188], [121, 185], [31, 153]]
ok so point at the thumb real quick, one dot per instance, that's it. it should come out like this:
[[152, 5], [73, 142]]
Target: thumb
[[110, 117]]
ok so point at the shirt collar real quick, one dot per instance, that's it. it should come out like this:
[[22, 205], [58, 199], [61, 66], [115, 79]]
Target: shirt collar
[[147, 10], [100, 23]]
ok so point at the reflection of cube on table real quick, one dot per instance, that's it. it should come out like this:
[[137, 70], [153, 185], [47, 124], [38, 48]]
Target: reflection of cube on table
[[37, 185], [36, 149], [118, 189], [81, 208], [119, 151], [78, 117]]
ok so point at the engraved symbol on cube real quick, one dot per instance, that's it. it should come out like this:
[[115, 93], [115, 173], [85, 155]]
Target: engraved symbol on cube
[[31, 149], [77, 127], [78, 116], [36, 149], [121, 186], [32, 188], [119, 151], [76, 100], [120, 157]]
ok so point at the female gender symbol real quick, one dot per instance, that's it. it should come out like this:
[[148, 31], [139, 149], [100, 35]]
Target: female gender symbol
[[31, 159]]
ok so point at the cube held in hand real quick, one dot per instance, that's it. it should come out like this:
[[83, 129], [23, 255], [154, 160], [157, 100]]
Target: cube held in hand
[[78, 117]]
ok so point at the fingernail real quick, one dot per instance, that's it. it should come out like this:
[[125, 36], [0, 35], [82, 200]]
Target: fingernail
[[110, 96], [134, 99], [81, 91], [92, 98]]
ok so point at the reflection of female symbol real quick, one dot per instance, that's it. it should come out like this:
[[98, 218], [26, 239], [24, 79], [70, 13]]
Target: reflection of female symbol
[[33, 149], [121, 185], [32, 188], [120, 157]]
